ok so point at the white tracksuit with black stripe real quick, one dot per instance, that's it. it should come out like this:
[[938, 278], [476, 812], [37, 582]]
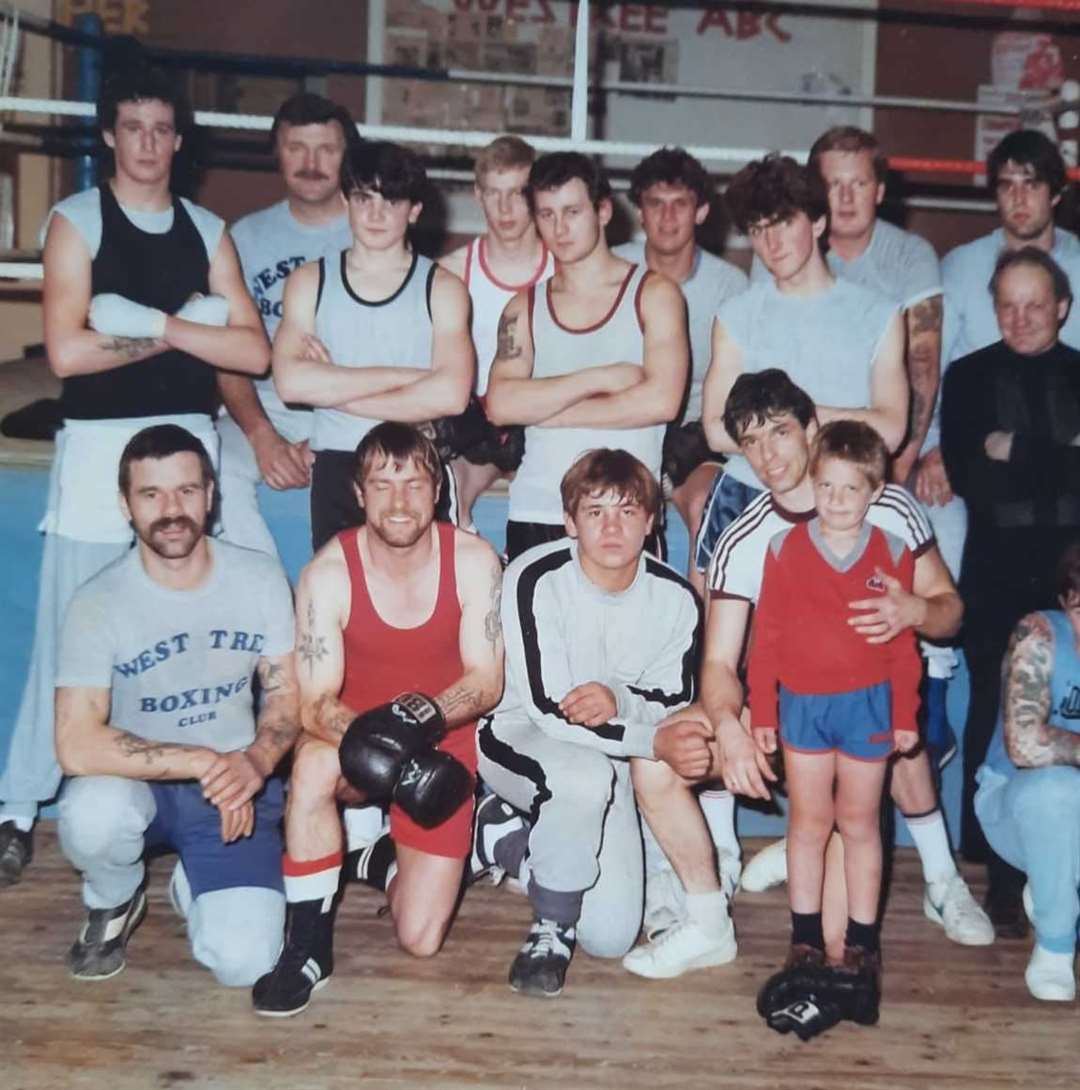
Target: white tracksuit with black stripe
[[573, 782]]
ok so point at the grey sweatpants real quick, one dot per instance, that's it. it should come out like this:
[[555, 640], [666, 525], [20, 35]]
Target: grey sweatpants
[[585, 852]]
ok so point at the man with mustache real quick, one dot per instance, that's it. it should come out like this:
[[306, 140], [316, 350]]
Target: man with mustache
[[262, 438], [156, 724]]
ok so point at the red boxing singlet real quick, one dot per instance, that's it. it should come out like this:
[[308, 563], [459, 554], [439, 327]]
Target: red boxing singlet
[[382, 661]]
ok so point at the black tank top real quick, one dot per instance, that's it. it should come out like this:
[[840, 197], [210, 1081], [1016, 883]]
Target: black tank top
[[159, 271]]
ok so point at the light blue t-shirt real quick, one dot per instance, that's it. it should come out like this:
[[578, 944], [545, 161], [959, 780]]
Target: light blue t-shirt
[[272, 243], [826, 342], [179, 663]]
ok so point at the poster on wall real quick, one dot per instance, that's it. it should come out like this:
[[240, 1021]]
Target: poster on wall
[[692, 45]]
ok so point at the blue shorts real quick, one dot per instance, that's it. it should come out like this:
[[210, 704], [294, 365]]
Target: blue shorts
[[857, 724], [728, 499], [191, 826]]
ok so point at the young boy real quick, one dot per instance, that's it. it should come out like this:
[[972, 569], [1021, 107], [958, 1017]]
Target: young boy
[[840, 704]]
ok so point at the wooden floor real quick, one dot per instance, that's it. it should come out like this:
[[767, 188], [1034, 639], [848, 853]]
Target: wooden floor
[[952, 1017]]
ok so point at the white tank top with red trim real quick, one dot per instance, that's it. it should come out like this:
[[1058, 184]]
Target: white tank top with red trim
[[557, 350], [489, 296]]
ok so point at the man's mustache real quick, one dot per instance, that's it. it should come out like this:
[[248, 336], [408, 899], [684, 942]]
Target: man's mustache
[[312, 176], [181, 522]]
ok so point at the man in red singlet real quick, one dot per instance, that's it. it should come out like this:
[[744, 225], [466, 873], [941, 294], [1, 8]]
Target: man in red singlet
[[400, 605]]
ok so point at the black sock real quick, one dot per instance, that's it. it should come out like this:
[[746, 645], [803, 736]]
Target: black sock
[[865, 935], [806, 930], [371, 864]]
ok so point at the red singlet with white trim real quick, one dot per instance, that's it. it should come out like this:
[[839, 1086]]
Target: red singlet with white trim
[[383, 661]]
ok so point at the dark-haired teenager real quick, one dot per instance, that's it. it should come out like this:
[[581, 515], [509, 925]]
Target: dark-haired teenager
[[143, 303], [377, 332]]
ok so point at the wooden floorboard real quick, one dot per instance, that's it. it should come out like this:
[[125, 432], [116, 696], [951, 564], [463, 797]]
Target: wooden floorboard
[[952, 1017]]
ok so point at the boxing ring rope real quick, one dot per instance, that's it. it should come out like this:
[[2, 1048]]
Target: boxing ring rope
[[580, 89]]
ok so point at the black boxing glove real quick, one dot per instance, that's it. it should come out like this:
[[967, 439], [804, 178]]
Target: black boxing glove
[[453, 435], [806, 1018], [432, 786], [380, 741]]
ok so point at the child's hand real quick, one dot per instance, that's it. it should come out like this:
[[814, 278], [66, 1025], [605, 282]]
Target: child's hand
[[765, 739], [904, 741]]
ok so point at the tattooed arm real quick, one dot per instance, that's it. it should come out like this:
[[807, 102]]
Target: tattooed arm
[[515, 397], [88, 745], [322, 611], [1030, 740], [71, 347], [479, 580], [923, 322], [241, 773]]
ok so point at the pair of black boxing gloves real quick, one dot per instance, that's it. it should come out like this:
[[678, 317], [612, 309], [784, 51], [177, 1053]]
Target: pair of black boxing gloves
[[389, 754]]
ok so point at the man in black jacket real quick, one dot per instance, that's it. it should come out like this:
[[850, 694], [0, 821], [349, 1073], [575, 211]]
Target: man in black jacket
[[1010, 429]]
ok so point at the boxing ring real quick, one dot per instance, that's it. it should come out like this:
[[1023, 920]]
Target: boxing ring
[[22, 485]]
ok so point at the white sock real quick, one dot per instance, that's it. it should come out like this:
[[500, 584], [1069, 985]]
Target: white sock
[[21, 822], [719, 810], [931, 836], [363, 825], [709, 911]]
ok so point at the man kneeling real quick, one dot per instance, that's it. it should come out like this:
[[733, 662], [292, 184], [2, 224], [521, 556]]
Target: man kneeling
[[602, 645], [401, 606], [155, 723]]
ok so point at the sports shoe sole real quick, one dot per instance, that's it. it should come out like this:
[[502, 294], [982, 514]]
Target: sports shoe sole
[[932, 913], [316, 987], [133, 921], [534, 993]]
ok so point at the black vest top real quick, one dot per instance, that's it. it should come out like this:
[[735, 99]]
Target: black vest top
[[161, 271]]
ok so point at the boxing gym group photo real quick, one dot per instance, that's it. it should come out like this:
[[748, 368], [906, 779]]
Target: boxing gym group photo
[[876, 456]]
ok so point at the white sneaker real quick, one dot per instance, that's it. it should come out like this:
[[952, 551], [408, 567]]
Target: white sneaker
[[1028, 902], [767, 869], [1050, 976], [681, 948], [665, 902], [730, 867], [951, 905]]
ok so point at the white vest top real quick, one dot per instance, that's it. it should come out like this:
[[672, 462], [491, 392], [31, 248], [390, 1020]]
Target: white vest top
[[489, 296], [557, 350], [392, 332]]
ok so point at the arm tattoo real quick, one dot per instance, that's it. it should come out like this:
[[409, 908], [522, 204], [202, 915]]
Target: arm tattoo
[[507, 346], [271, 677], [1029, 739], [131, 745], [926, 316], [493, 619], [460, 701], [333, 716], [128, 347], [311, 647]]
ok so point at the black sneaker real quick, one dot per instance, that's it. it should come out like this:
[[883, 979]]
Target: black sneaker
[[493, 820], [100, 951], [16, 850], [540, 966], [304, 966]]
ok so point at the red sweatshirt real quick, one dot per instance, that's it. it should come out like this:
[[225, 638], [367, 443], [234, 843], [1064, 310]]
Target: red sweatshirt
[[801, 637]]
